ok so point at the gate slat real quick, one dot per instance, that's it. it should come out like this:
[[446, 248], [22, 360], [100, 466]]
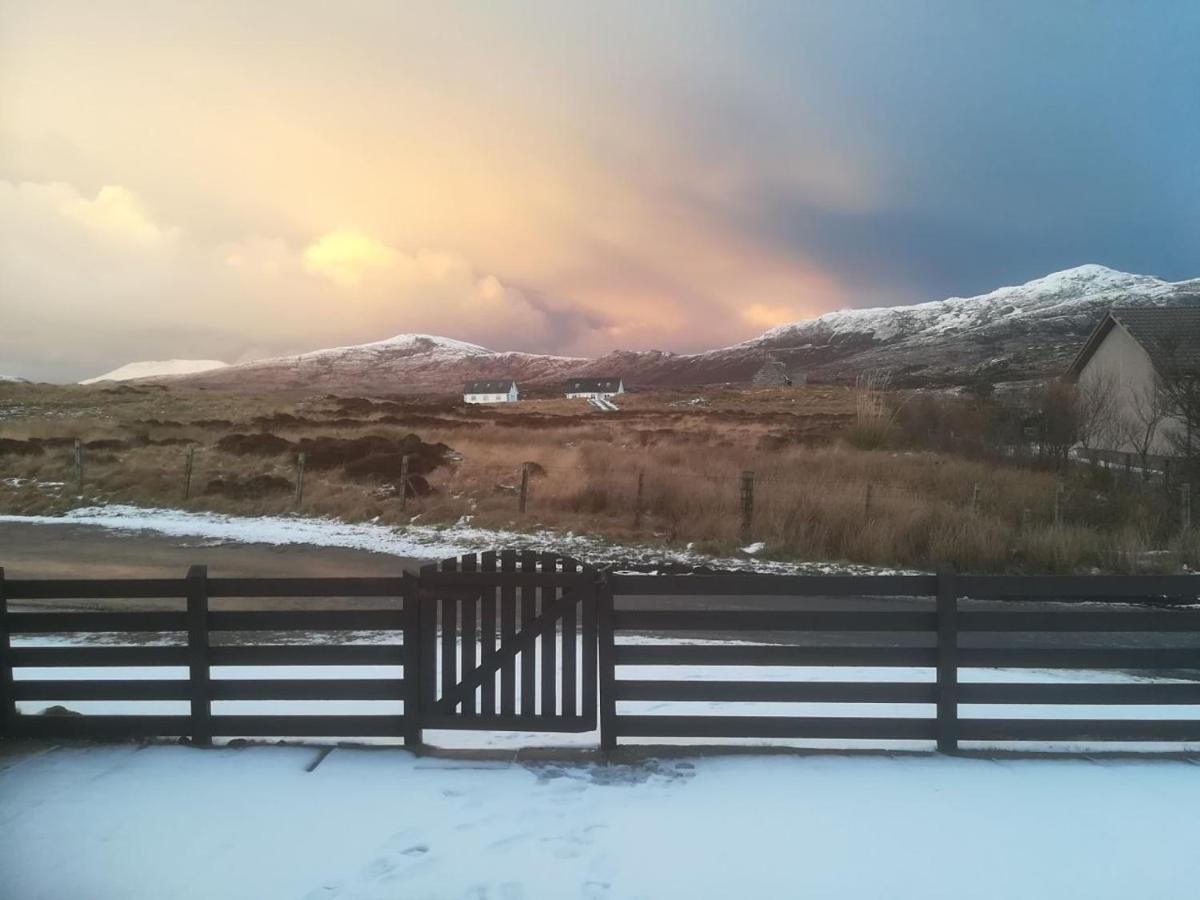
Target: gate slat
[[508, 628], [591, 646], [467, 612], [487, 637], [549, 640], [449, 637], [528, 611], [568, 650], [427, 657]]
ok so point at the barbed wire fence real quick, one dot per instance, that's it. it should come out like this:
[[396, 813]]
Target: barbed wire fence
[[639, 491]]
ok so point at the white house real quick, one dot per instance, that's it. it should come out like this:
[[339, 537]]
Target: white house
[[497, 391], [1120, 374], [594, 388]]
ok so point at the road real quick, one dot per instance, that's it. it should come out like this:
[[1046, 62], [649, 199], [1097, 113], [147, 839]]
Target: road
[[74, 551]]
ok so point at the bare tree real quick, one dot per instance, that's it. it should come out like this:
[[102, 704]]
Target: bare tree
[[1147, 409], [1057, 413], [1096, 414], [1180, 380]]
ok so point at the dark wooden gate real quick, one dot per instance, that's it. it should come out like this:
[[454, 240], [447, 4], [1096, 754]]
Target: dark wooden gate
[[508, 643]]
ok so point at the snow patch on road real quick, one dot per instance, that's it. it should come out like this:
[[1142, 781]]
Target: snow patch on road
[[412, 541]]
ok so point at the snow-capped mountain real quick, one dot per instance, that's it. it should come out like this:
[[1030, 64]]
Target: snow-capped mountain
[[157, 368], [406, 363], [1012, 334]]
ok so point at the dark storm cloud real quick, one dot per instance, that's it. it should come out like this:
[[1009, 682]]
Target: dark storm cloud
[[1006, 140]]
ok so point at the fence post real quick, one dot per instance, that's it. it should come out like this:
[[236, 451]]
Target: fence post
[[198, 669], [747, 506], [8, 706], [607, 653], [524, 501], [1185, 507], [79, 464], [299, 479], [975, 498], [1026, 519], [947, 662], [637, 503], [187, 473], [867, 501], [412, 663], [1058, 495], [404, 480]]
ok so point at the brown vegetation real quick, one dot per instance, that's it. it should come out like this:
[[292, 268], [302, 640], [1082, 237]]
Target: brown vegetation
[[873, 478]]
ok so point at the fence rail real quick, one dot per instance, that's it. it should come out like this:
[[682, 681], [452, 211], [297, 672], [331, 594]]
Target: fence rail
[[509, 637]]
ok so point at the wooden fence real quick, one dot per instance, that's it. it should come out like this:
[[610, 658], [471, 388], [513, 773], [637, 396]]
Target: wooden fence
[[942, 630], [184, 640], [564, 635]]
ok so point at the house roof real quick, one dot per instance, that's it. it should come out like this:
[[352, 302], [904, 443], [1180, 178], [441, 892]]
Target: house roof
[[593, 385], [493, 386], [1170, 335]]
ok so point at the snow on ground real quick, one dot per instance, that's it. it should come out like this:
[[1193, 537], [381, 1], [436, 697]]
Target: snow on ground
[[414, 541], [102, 823]]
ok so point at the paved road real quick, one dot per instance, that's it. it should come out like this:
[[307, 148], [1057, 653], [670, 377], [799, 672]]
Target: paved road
[[80, 551]]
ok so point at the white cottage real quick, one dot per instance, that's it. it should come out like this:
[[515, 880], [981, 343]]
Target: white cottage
[[594, 388], [495, 391]]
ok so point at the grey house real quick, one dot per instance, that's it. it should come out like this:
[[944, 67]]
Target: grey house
[[1120, 373], [775, 373]]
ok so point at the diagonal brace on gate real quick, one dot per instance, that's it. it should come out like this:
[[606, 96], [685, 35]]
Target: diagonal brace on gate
[[523, 641]]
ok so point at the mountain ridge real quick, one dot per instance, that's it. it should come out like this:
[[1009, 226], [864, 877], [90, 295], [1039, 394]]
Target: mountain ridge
[[1011, 334]]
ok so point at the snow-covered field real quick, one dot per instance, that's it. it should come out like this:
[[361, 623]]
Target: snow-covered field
[[122, 823], [415, 541]]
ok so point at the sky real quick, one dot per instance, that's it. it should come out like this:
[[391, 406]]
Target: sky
[[235, 180]]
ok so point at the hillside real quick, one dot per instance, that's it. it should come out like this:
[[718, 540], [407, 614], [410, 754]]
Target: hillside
[[1011, 334], [158, 368]]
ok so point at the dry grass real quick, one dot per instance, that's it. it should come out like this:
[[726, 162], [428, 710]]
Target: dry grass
[[811, 488]]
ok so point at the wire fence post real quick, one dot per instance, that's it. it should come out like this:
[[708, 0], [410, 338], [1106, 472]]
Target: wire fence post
[[404, 480], [1058, 498], [198, 668], [975, 498], [78, 463], [1185, 507], [187, 472], [523, 503], [947, 662], [867, 500], [747, 505], [637, 503], [299, 479]]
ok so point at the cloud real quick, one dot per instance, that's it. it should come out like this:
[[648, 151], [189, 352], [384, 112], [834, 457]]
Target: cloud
[[95, 280], [764, 316], [347, 257]]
